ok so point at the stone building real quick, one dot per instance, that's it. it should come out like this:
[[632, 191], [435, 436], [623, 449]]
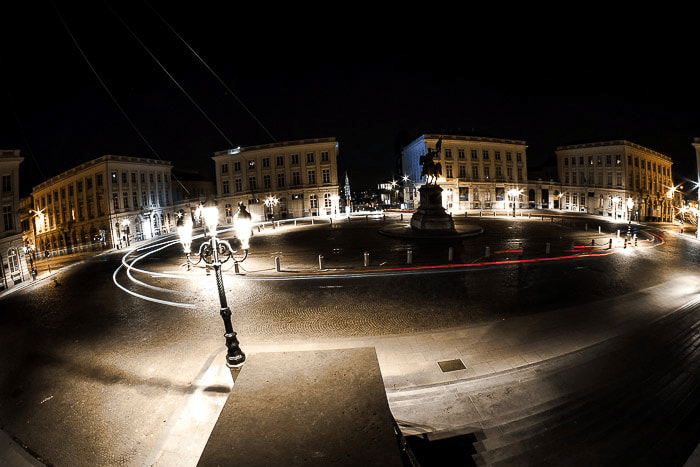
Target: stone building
[[617, 179], [477, 172], [279, 180], [108, 202], [13, 267]]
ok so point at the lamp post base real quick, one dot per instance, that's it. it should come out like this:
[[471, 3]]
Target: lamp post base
[[235, 356]]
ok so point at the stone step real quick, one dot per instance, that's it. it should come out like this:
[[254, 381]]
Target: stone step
[[636, 397]]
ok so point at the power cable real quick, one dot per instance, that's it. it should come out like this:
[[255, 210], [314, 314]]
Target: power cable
[[172, 78], [211, 70], [106, 88]]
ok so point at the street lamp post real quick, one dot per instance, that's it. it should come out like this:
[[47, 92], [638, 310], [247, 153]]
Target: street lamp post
[[560, 195], [271, 202], [512, 193], [615, 200], [630, 205], [215, 252]]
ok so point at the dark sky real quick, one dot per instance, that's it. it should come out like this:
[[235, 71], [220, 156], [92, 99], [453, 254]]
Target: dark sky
[[374, 83]]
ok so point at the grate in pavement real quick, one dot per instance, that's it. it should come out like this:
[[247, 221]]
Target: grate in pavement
[[451, 365]]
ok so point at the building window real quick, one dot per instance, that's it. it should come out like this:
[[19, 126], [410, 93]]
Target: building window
[[88, 183], [324, 156], [280, 161], [295, 159], [448, 171], [487, 173], [7, 218], [497, 155], [327, 200], [123, 177], [462, 171], [312, 177], [460, 153], [474, 155], [509, 156], [134, 199], [520, 173], [224, 168], [237, 166], [313, 201], [252, 184], [115, 204], [225, 188], [485, 154], [266, 181], [251, 164], [12, 260], [448, 153], [6, 183], [326, 175], [296, 179], [266, 162], [114, 177], [518, 157], [125, 199], [509, 171], [309, 157], [475, 172], [498, 172], [98, 179], [79, 186], [280, 180]]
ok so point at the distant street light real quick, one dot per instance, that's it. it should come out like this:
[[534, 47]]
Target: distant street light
[[211, 252], [560, 195], [512, 193], [271, 202]]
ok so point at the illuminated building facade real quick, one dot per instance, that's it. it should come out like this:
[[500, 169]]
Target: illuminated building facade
[[300, 176], [600, 178], [477, 172], [108, 202], [13, 267]]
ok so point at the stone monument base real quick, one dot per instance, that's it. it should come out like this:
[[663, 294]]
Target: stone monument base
[[430, 215]]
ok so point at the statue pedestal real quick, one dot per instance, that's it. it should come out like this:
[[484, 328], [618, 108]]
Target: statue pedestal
[[430, 215]]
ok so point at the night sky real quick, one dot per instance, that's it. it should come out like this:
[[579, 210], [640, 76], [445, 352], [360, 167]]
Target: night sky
[[373, 82]]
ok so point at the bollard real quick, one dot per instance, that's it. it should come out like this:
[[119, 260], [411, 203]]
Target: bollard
[[618, 233], [450, 254], [409, 256], [586, 228], [277, 263], [610, 244], [488, 251], [235, 268], [546, 248], [320, 262], [401, 216], [593, 242], [598, 229], [529, 215], [572, 246], [635, 239], [625, 242], [366, 259], [295, 222], [312, 220]]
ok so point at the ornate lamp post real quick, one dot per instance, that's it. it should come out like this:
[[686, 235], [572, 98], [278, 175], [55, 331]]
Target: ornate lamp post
[[214, 252], [512, 193], [271, 202]]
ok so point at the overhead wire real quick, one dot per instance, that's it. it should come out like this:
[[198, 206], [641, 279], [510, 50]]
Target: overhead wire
[[172, 78], [110, 94], [213, 73]]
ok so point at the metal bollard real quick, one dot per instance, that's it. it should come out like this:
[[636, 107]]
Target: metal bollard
[[625, 242], [277, 263], [320, 262], [488, 251], [610, 244], [593, 242], [409, 256], [598, 229], [546, 248], [366, 259], [450, 254], [618, 233]]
